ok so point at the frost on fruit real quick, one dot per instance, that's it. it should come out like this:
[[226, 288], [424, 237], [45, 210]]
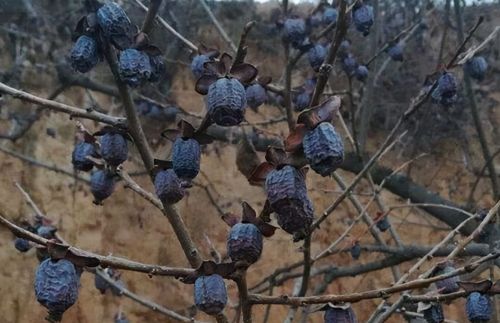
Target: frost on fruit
[[330, 16], [168, 186], [478, 308], [84, 54], [256, 95], [323, 148], [363, 18], [396, 52], [79, 156], [22, 245], [287, 193], [340, 314], [186, 154], [56, 286], [114, 148], [445, 92], [226, 101], [210, 295], [135, 67], [361, 73], [102, 185], [244, 243], [476, 67], [433, 312], [316, 55], [115, 24], [294, 31]]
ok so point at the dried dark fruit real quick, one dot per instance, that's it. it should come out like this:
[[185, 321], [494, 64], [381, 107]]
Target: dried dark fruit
[[256, 95], [244, 243], [84, 54], [355, 250], [102, 185], [46, 231], [396, 52], [210, 295], [186, 154], [361, 73], [135, 67], [433, 313], [79, 156], [340, 314], [157, 68], [114, 148], [363, 18], [476, 67], [445, 92], [22, 245], [344, 47], [294, 31], [447, 285], [56, 286], [197, 65], [478, 308], [383, 224], [287, 193], [349, 64], [316, 56], [323, 148], [302, 100], [168, 186], [115, 24], [226, 101], [330, 16]]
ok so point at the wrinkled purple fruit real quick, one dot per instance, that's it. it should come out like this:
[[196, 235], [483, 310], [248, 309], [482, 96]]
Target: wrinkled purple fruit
[[355, 251], [210, 295], [294, 31], [197, 65], [330, 16], [434, 314], [349, 64], [340, 315], [102, 185], [186, 154], [363, 18], [286, 191], [301, 101], [84, 54], [79, 156], [244, 243], [324, 149], [256, 95], [22, 245], [115, 23], [396, 52], [447, 285], [316, 55], [478, 308], [445, 92], [476, 67], [226, 101], [56, 286], [361, 73], [383, 224], [114, 148], [168, 187], [135, 67]]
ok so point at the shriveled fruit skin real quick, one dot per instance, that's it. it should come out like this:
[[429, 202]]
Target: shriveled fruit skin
[[226, 102], [301, 101], [476, 67], [448, 285], [84, 54], [114, 148], [287, 193], [478, 308], [244, 243], [316, 55], [340, 315], [197, 63], [210, 295], [56, 285], [434, 314], [22, 245], [294, 30], [363, 18], [323, 148], [256, 95], [445, 92], [396, 52], [79, 156], [330, 15], [102, 185], [114, 22], [168, 187], [135, 67], [186, 154], [157, 68]]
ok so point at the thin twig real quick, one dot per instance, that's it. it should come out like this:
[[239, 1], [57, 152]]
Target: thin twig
[[218, 26]]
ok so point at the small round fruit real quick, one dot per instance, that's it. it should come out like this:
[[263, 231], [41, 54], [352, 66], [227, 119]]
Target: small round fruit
[[210, 295], [114, 148], [102, 185], [22, 245], [323, 148], [186, 155], [244, 243], [478, 308], [168, 187], [226, 101], [79, 156], [84, 54]]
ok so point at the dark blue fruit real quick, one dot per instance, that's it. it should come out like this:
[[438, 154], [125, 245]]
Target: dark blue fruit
[[340, 314], [330, 15], [157, 68], [102, 185], [56, 286], [445, 92], [256, 95], [361, 73], [22, 245], [363, 18], [294, 30], [79, 156], [210, 295], [349, 64], [396, 52], [226, 101], [476, 67], [135, 67], [244, 243], [46, 231], [434, 313], [316, 56], [155, 112], [84, 55], [383, 224], [186, 154], [168, 187], [114, 148], [447, 285], [323, 148], [287, 193], [315, 20], [197, 65], [301, 101], [478, 308], [355, 251], [115, 23]]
